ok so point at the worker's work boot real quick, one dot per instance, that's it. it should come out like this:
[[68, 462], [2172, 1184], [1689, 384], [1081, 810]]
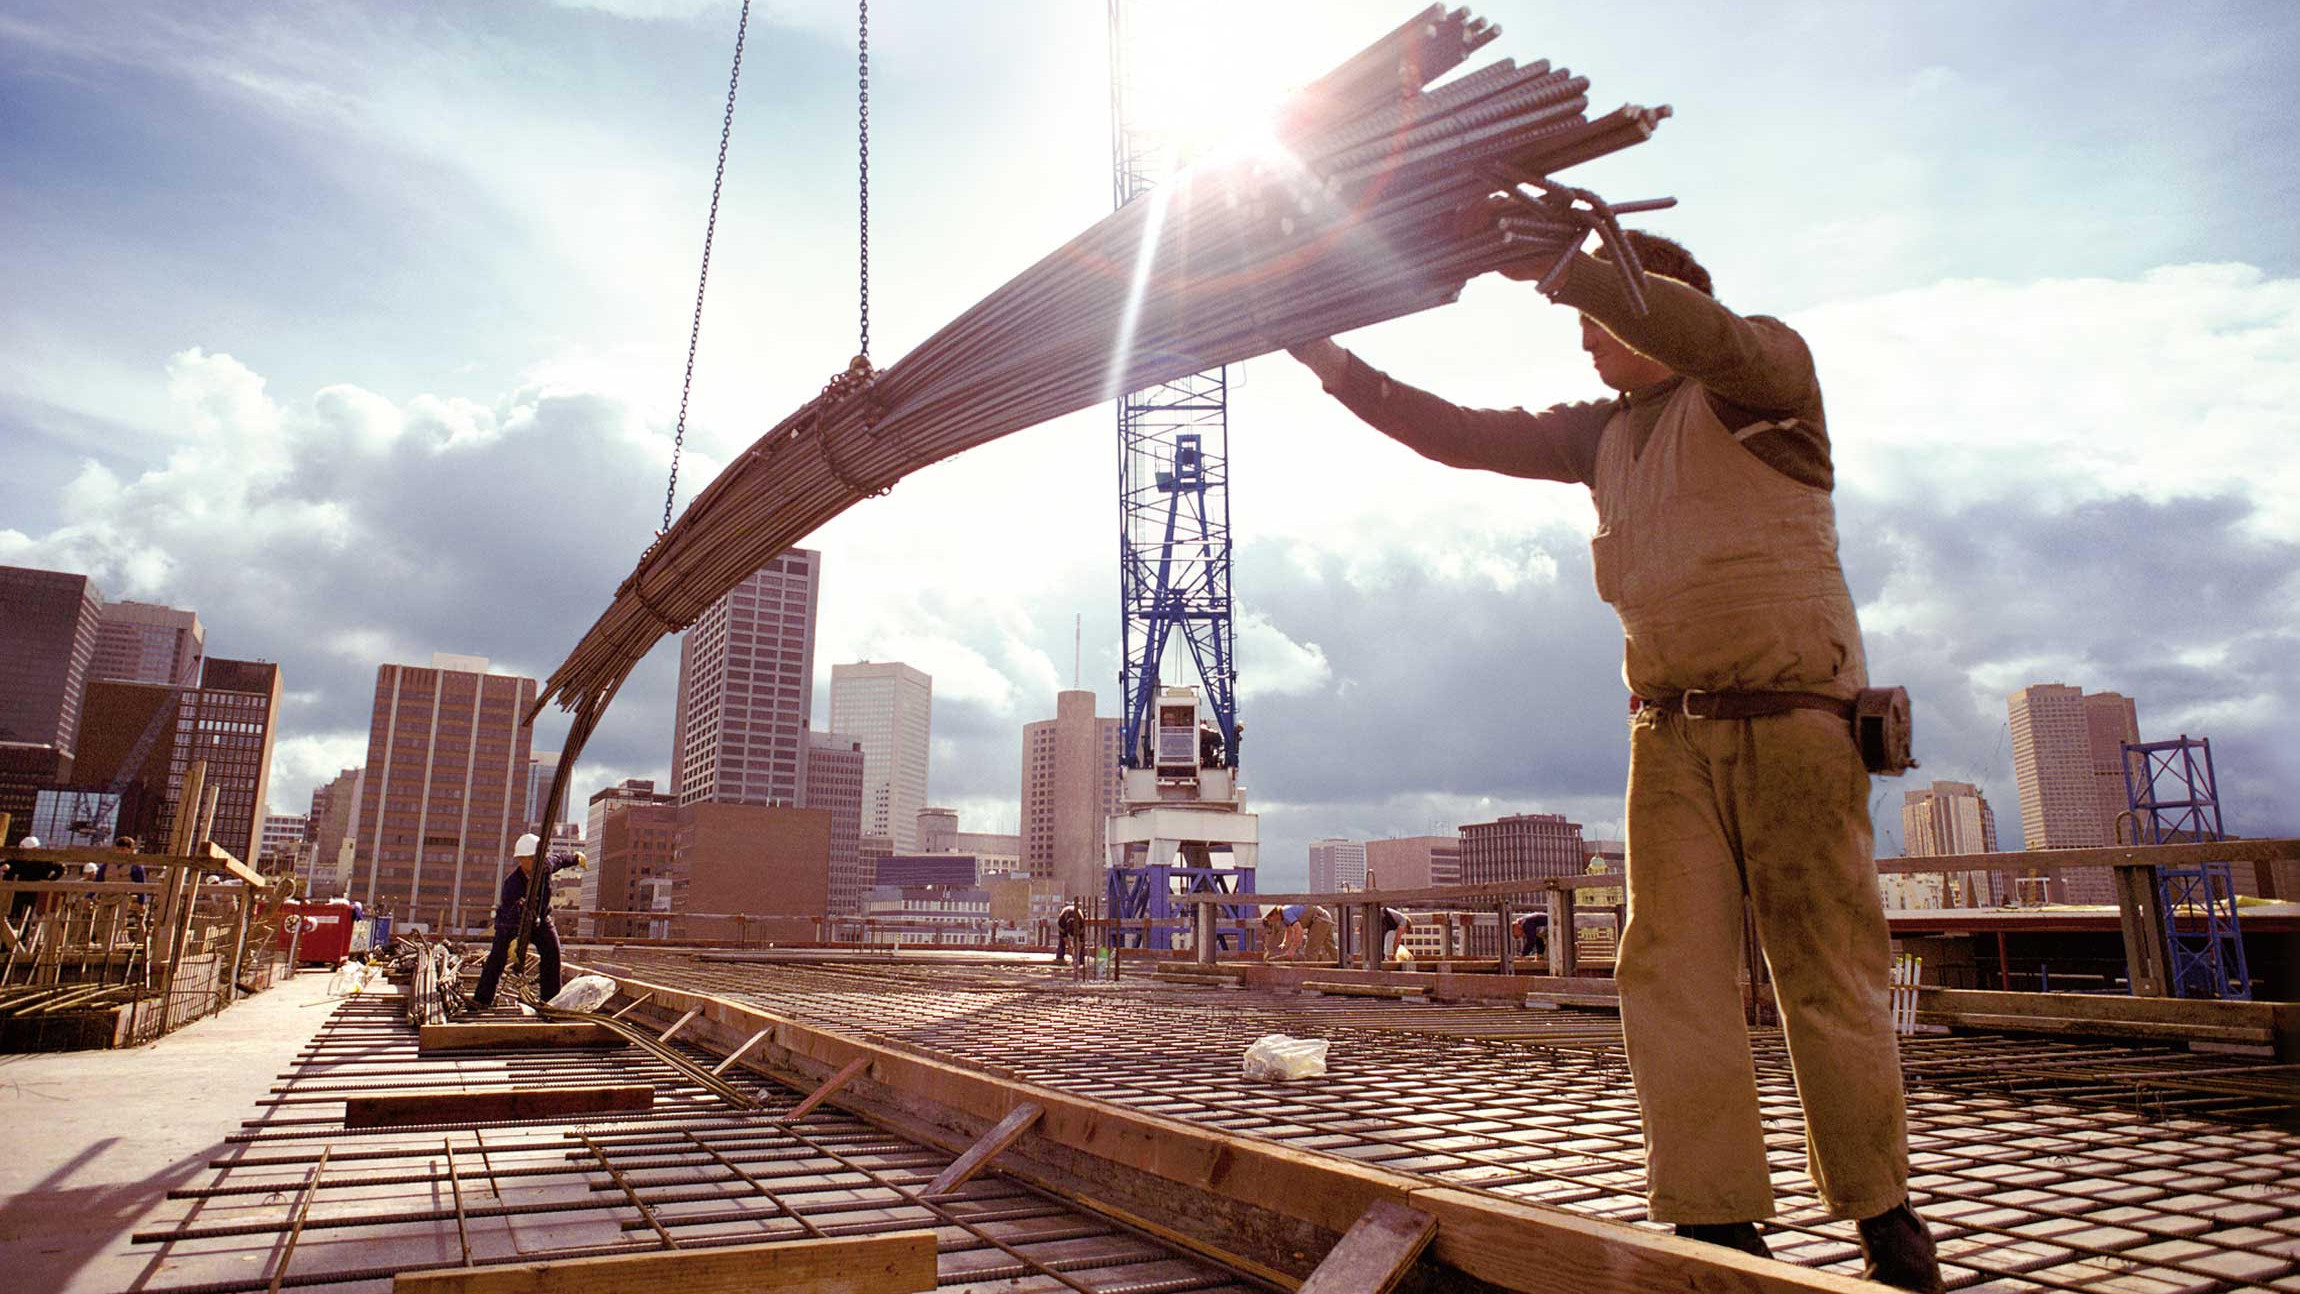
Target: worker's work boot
[[1896, 1250], [1733, 1235]]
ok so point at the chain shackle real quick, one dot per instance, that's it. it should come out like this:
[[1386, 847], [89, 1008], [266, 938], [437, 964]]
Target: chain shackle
[[862, 165]]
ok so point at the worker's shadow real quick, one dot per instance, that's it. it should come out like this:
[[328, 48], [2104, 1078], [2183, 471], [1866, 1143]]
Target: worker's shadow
[[96, 1218]]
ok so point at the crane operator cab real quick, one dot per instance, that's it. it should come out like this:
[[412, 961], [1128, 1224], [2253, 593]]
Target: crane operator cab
[[1189, 761]]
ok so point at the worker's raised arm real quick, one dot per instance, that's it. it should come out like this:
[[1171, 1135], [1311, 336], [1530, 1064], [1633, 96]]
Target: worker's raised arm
[[1557, 444], [1758, 363]]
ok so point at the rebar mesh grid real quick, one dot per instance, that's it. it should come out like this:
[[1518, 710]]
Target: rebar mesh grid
[[2042, 1164], [301, 1201]]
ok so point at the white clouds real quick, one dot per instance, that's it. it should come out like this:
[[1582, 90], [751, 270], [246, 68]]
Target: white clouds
[[303, 761], [2181, 383], [1272, 664]]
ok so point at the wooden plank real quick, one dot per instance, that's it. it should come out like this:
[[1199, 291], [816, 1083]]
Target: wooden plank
[[399, 1109], [1539, 1250], [977, 1156], [1564, 939], [676, 1025], [1589, 1001], [2053, 860], [2100, 1006], [737, 1054], [1375, 1253], [2147, 939], [823, 1093], [1338, 989], [218, 854], [483, 1036], [899, 1262], [2154, 1030]]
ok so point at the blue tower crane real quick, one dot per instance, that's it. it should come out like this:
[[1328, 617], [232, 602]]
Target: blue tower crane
[[1173, 501]]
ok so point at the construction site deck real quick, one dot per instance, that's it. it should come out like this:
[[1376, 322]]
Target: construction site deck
[[1122, 1149]]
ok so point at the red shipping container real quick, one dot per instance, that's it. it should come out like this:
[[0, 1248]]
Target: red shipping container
[[326, 938]]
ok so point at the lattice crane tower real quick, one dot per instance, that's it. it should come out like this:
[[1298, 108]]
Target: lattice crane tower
[[1173, 499]]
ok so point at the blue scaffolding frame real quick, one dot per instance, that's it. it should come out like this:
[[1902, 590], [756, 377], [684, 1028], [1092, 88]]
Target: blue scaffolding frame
[[2175, 799], [1139, 893]]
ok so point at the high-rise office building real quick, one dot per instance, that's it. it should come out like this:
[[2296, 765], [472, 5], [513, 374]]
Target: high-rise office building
[[632, 851], [334, 822], [609, 800], [140, 642], [1071, 784], [122, 723], [282, 847], [49, 624], [542, 768], [445, 789], [1337, 864], [889, 708], [1946, 818], [2067, 750], [1522, 847], [999, 852], [835, 785], [1413, 862], [746, 689], [229, 721]]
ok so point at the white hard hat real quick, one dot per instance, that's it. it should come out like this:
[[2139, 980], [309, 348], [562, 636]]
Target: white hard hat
[[29, 842], [526, 846]]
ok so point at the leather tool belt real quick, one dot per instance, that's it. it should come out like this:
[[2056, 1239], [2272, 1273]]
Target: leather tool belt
[[1879, 717]]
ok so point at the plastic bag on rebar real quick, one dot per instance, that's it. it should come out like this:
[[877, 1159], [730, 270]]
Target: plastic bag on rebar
[[350, 978], [588, 993], [1276, 1058]]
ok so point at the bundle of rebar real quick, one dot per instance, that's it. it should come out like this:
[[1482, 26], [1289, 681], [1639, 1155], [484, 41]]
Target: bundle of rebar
[[1364, 207]]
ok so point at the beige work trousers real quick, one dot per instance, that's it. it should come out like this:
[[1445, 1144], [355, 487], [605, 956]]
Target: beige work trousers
[[1318, 939], [1775, 809]]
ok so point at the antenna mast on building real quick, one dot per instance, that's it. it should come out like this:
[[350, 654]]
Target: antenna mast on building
[[1173, 497]]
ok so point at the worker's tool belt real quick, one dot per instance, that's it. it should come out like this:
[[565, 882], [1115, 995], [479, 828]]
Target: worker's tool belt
[[1879, 715]]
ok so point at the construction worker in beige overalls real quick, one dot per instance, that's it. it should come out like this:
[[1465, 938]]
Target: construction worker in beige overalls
[[1717, 545]]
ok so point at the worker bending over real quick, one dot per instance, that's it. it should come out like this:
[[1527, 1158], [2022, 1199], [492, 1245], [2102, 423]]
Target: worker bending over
[[1300, 931], [1070, 933], [1395, 923], [510, 906], [1717, 545], [1533, 930]]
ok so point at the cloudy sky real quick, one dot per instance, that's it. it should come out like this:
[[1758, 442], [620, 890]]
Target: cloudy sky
[[359, 327]]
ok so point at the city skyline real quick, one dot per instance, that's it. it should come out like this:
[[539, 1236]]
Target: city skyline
[[2045, 439], [2100, 720]]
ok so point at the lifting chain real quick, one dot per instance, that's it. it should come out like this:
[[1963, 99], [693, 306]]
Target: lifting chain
[[703, 281], [862, 164]]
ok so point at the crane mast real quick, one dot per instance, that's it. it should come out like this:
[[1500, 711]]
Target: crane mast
[[1173, 499]]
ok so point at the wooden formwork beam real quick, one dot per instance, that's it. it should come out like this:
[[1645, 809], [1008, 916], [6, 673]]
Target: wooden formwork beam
[[1523, 1247], [486, 1036]]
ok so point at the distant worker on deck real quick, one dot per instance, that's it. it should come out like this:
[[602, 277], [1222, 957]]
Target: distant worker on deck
[[1533, 930], [1716, 543], [29, 870], [1300, 932], [1395, 923], [1070, 933], [510, 906]]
